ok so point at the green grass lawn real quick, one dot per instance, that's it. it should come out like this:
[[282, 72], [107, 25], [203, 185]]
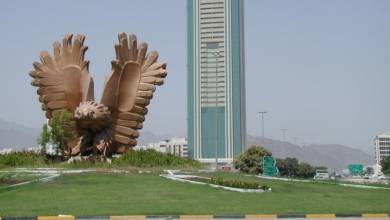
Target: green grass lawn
[[118, 194]]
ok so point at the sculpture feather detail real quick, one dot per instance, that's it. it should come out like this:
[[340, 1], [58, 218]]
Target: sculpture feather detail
[[65, 84], [65, 81]]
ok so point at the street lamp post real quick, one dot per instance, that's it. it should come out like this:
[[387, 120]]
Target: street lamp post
[[262, 125], [296, 140], [284, 135]]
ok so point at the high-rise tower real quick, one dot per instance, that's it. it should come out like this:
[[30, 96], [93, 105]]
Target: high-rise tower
[[216, 79]]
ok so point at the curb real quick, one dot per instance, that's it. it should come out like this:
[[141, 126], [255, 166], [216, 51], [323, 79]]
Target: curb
[[291, 216], [162, 216], [348, 215], [60, 217], [321, 216], [195, 217], [204, 217], [19, 218], [128, 217], [93, 217], [229, 216], [378, 215], [261, 216]]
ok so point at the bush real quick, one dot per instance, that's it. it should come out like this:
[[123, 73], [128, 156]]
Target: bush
[[290, 167], [287, 167], [22, 158], [60, 130], [5, 177], [143, 158], [305, 170], [237, 184], [152, 158], [385, 163], [251, 161]]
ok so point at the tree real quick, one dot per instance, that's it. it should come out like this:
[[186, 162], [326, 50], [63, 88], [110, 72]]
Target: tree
[[369, 171], [290, 167], [305, 170], [282, 166], [60, 130], [385, 163], [44, 138], [251, 161], [287, 167]]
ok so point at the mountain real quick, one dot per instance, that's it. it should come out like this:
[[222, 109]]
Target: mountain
[[16, 136], [19, 137], [334, 156], [146, 137]]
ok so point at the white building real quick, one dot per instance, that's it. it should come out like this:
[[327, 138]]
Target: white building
[[178, 147], [159, 147], [34, 149], [50, 149], [382, 146], [6, 151], [175, 146]]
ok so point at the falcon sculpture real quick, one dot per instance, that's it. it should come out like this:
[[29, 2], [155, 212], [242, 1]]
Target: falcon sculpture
[[111, 125]]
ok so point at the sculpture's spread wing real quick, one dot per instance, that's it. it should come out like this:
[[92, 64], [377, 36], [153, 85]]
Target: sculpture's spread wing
[[63, 81], [130, 87]]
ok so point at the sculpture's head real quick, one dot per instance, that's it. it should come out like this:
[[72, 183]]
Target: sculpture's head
[[92, 115]]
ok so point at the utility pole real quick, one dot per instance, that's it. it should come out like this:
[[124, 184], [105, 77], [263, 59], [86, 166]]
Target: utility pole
[[284, 135], [262, 125], [295, 141]]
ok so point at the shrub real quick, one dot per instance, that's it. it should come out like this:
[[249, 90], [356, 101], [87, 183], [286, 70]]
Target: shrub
[[305, 170], [385, 163], [22, 158], [237, 184], [251, 161], [5, 177], [290, 167], [152, 158], [60, 130]]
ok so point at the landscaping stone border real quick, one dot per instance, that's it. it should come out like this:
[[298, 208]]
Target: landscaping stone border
[[181, 178], [322, 182]]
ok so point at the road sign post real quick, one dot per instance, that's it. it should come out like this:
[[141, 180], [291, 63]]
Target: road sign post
[[269, 166], [355, 169]]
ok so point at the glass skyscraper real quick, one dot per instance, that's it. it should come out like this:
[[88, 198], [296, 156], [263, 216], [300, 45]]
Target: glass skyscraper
[[216, 80]]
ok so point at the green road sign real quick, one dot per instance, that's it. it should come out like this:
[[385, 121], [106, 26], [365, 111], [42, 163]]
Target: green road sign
[[355, 169], [269, 166]]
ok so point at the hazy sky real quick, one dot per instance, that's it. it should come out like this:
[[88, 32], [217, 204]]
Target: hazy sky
[[320, 68]]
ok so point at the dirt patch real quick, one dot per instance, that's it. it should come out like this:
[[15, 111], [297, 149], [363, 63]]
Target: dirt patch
[[10, 181]]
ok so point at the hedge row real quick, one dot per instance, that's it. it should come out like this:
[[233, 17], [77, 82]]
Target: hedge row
[[152, 158], [143, 158]]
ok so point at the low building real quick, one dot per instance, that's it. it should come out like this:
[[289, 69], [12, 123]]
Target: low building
[[159, 147], [178, 147], [6, 151], [50, 149], [175, 146], [34, 149], [382, 146]]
